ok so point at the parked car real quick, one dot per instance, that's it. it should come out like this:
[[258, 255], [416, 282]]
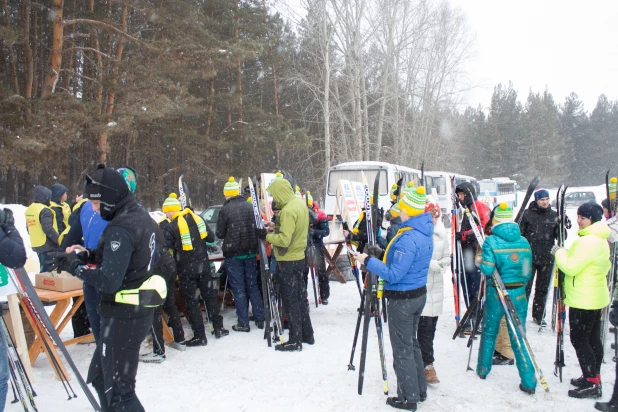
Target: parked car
[[211, 215], [576, 199]]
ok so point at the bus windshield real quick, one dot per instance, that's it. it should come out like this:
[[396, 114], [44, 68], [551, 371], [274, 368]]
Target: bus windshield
[[355, 176], [488, 187], [439, 183]]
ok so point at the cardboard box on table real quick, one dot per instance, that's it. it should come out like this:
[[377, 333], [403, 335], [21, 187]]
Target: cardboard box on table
[[60, 282]]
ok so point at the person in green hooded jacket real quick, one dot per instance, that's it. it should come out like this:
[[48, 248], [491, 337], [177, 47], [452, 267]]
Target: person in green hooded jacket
[[508, 252], [289, 242], [585, 265]]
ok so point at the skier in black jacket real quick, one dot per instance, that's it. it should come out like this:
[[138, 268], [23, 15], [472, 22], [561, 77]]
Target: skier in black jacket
[[121, 270], [236, 226], [540, 226], [187, 235], [318, 230]]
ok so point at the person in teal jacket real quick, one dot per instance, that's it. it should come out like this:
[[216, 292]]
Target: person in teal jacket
[[508, 252]]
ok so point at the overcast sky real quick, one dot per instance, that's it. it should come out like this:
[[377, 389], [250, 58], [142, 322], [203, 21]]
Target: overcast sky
[[568, 46]]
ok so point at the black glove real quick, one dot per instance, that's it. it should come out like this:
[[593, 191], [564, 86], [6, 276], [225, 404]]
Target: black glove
[[458, 236], [67, 261], [567, 222], [613, 315], [6, 218], [375, 251], [260, 233], [311, 231]]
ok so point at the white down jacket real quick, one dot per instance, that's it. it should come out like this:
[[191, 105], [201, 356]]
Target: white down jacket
[[440, 261]]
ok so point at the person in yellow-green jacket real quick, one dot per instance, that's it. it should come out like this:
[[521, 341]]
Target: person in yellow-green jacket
[[585, 265], [289, 243], [60, 206], [42, 226]]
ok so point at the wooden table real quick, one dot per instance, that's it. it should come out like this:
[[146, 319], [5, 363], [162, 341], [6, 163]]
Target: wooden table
[[331, 260], [59, 319]]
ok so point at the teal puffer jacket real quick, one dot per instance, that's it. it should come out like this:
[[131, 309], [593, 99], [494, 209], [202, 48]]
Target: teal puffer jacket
[[509, 252]]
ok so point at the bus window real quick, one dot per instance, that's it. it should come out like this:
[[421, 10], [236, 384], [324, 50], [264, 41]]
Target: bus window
[[439, 183], [355, 176], [489, 187]]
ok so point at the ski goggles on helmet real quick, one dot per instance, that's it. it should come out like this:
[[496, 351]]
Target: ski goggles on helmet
[[130, 176], [94, 189]]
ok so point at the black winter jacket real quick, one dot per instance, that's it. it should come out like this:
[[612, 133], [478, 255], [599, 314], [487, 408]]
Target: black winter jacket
[[12, 252], [166, 266], [189, 262], [320, 231], [540, 227], [124, 258], [236, 226]]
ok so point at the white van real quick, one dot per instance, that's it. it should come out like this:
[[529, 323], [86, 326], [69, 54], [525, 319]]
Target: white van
[[443, 182], [389, 175]]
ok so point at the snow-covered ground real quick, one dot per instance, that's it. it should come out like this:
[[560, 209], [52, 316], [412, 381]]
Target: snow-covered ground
[[240, 373]]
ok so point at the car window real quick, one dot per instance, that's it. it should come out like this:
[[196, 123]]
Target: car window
[[211, 214]]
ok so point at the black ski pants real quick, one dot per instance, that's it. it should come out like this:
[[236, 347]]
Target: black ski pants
[[425, 336], [586, 339], [81, 326], [403, 319], [173, 318], [191, 286], [320, 268], [543, 273], [293, 300], [113, 368]]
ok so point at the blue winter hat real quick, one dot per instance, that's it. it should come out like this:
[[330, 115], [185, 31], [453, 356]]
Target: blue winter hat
[[540, 194], [57, 190]]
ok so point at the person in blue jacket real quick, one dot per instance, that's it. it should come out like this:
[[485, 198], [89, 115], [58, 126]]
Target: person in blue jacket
[[404, 269], [508, 252]]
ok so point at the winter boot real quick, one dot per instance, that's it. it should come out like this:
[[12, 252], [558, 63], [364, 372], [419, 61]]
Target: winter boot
[[606, 406], [259, 324], [499, 359], [178, 346], [423, 396], [398, 404], [592, 389], [529, 391], [220, 332], [195, 341], [152, 358], [324, 301], [310, 340], [579, 382], [241, 328], [430, 374], [289, 347]]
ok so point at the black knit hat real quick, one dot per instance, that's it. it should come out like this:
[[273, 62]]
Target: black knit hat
[[592, 211], [57, 191]]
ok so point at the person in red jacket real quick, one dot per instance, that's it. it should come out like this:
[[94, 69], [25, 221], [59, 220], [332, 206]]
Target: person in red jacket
[[466, 193]]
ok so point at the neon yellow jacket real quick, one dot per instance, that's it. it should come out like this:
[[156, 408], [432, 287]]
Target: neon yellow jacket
[[290, 241], [585, 265]]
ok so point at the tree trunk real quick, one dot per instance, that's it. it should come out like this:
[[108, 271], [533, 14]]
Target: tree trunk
[[211, 96], [9, 46], [325, 42], [57, 41]]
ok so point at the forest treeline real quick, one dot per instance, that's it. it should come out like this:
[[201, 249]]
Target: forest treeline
[[230, 87]]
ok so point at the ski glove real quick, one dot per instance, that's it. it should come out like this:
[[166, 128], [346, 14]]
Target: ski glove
[[375, 251], [67, 262], [613, 315], [260, 233], [6, 218]]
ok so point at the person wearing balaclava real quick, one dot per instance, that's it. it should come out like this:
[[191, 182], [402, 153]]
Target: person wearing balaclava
[[585, 265], [121, 271]]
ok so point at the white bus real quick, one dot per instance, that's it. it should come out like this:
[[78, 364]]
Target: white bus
[[389, 174], [497, 190], [441, 181]]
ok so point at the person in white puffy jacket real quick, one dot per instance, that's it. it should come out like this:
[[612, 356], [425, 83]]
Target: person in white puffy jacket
[[440, 261]]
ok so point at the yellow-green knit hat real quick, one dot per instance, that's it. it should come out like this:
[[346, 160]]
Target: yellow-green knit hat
[[309, 198], [278, 176], [250, 200], [612, 188], [231, 188], [297, 193], [409, 187], [392, 192], [395, 210], [171, 204], [503, 214], [413, 203]]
